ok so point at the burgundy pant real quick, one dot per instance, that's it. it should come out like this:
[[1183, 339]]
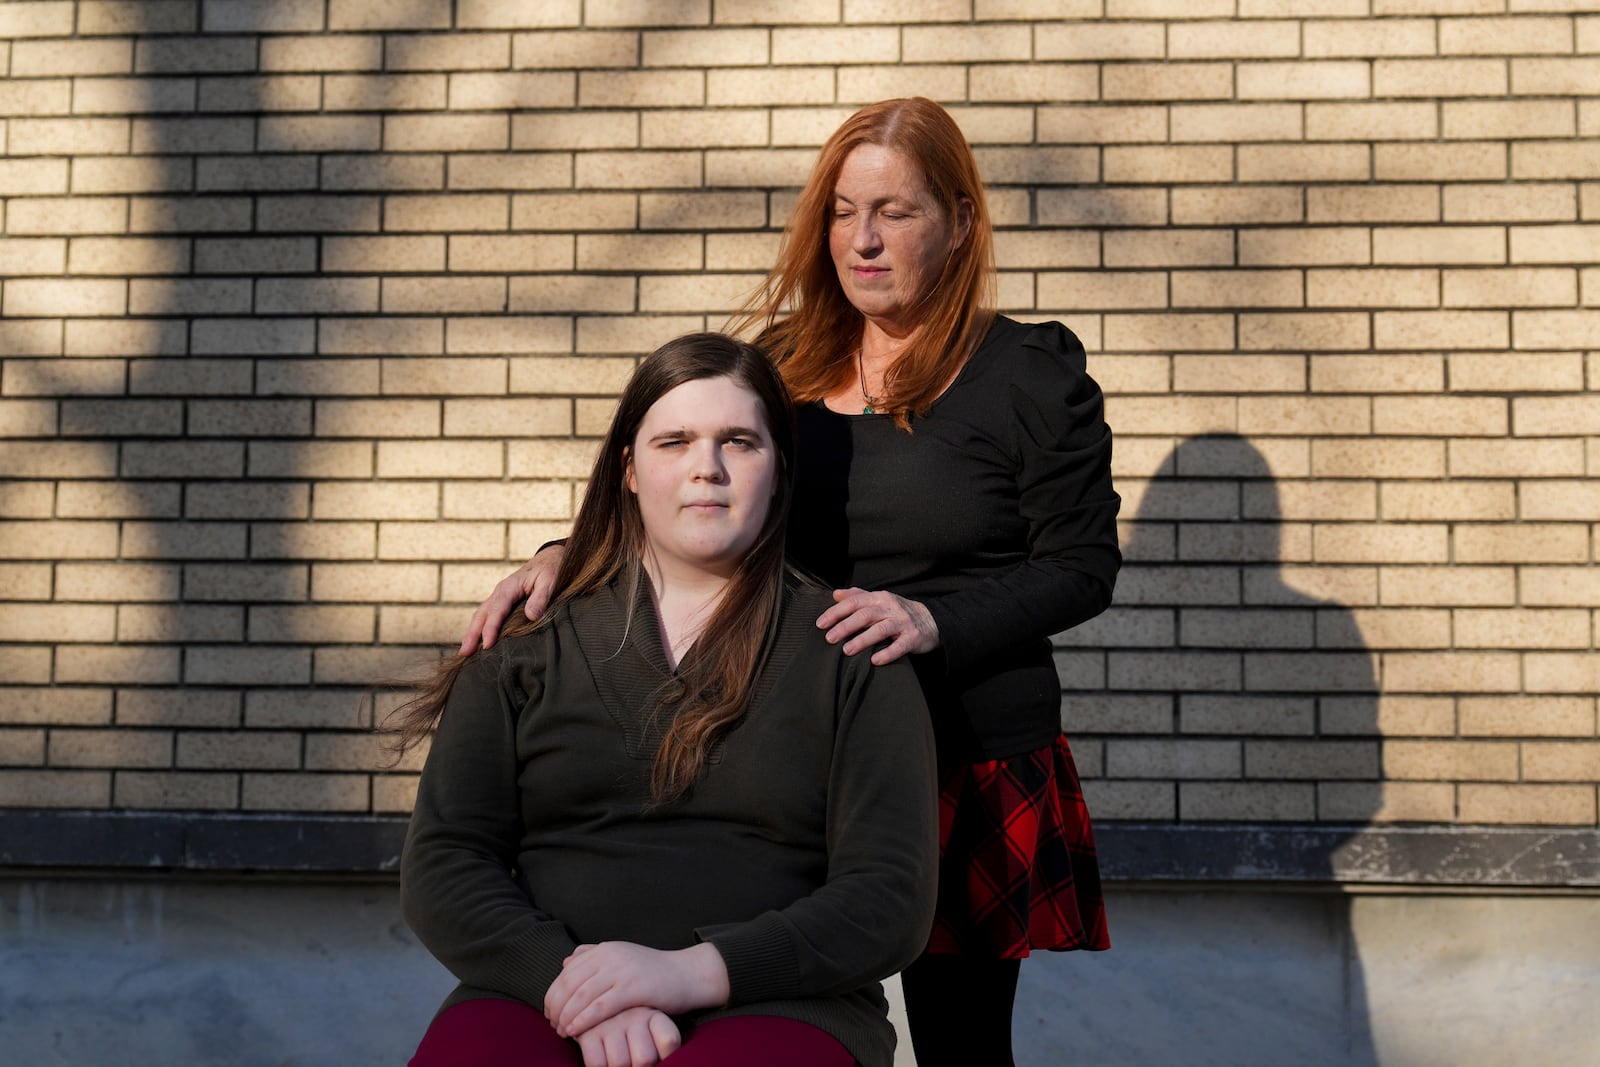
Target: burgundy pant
[[507, 1033]]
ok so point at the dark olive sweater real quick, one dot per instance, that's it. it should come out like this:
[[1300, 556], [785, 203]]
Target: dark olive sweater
[[805, 854], [996, 512]]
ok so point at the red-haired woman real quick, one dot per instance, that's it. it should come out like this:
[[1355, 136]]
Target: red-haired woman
[[669, 818], [954, 486]]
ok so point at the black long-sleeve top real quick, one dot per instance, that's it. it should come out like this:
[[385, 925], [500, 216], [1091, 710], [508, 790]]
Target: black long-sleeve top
[[996, 512], [805, 853]]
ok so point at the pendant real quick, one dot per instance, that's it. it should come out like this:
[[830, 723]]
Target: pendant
[[867, 410]]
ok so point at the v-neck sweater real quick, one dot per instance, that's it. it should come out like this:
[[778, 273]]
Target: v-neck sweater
[[996, 513], [805, 854]]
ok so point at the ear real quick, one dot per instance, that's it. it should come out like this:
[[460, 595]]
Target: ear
[[964, 215], [628, 480]]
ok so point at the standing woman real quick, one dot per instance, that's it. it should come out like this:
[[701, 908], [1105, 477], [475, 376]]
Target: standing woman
[[954, 487]]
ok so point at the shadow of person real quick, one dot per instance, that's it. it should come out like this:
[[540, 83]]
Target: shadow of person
[[1240, 728]]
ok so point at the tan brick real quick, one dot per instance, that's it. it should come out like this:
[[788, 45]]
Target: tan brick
[[1192, 332], [1458, 161], [1554, 329], [321, 708], [179, 625], [146, 790], [1543, 716], [565, 376], [281, 92], [188, 214], [321, 52], [507, 14], [1552, 499], [1371, 288], [1555, 415], [110, 748], [655, 88], [1562, 672], [377, 418], [705, 48], [1439, 244], [1552, 77], [1238, 374], [629, 334], [1521, 628], [1099, 125], [1291, 246], [1304, 79], [57, 622], [414, 15], [120, 582], [1557, 159], [507, 500], [390, 92], [313, 540], [550, 459], [1522, 287], [441, 540], [697, 292], [1458, 500], [1523, 202], [1439, 77], [112, 664], [1555, 244], [574, 49], [321, 133], [1103, 289], [1224, 205], [1167, 81], [55, 789], [375, 500], [1505, 36], [1281, 8], [52, 96], [1511, 458], [356, 752], [966, 44], [1296, 500], [385, 337], [1321, 330], [646, 169], [55, 706], [29, 177], [1165, 415], [106, 500], [1368, 37], [112, 174], [1167, 248], [1532, 804], [1381, 543], [39, 539], [68, 137], [37, 58], [69, 215], [1371, 122], [1437, 415], [25, 664], [508, 334], [1570, 586], [1446, 672], [374, 582], [1563, 762], [821, 45], [1249, 802], [989, 83], [1522, 543], [1234, 123], [590, 129], [506, 418], [421, 295], [1380, 802], [382, 172], [394, 793], [304, 792], [1512, 119]]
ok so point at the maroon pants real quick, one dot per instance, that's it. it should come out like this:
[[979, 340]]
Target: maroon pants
[[507, 1033]]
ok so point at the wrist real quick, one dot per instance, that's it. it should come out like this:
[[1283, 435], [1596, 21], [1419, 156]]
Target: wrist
[[707, 974]]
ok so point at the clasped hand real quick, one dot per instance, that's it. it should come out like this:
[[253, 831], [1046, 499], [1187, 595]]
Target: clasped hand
[[615, 999]]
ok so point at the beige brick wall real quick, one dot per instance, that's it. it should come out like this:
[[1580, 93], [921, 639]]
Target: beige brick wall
[[313, 311]]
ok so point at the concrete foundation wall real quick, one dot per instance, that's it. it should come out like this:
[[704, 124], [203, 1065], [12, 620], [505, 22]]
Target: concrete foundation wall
[[263, 972]]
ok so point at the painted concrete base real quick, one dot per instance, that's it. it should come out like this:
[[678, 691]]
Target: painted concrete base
[[282, 974]]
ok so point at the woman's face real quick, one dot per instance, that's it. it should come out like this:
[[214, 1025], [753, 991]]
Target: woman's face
[[888, 237], [703, 467]]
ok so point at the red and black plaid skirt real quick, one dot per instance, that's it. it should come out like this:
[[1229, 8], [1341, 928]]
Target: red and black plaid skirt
[[1017, 866]]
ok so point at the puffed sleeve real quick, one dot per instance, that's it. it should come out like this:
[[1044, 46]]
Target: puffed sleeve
[[1062, 452], [872, 915], [458, 889]]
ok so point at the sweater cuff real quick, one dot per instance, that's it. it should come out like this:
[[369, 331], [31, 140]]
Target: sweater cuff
[[532, 962], [760, 958]]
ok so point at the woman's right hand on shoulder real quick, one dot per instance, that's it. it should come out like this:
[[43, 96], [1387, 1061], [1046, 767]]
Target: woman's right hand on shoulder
[[532, 582], [636, 1037]]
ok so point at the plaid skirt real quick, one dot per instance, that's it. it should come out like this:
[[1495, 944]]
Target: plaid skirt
[[1017, 866]]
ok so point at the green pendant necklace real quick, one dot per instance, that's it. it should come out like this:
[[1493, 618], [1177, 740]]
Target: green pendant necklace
[[869, 407]]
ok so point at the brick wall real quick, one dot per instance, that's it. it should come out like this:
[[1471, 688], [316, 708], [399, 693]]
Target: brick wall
[[313, 310]]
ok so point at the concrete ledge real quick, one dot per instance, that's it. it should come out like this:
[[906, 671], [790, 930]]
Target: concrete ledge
[[1391, 855]]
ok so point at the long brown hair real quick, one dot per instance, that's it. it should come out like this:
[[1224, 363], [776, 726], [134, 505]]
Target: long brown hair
[[717, 676], [813, 345]]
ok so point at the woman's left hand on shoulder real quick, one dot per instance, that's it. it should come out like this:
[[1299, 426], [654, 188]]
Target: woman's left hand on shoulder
[[864, 620], [598, 981]]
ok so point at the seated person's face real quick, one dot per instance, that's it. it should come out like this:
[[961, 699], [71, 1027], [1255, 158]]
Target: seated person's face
[[704, 468]]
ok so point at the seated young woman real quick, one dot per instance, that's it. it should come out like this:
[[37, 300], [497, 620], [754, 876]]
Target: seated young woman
[[668, 818]]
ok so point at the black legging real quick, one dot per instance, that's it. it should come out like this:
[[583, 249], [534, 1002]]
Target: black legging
[[959, 1010]]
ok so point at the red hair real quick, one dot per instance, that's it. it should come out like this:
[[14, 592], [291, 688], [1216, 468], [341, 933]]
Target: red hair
[[814, 344]]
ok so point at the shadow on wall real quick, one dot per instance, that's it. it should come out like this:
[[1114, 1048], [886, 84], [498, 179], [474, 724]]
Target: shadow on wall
[[1261, 703]]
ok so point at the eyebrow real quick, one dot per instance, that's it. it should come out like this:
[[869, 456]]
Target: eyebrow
[[725, 431], [897, 198]]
